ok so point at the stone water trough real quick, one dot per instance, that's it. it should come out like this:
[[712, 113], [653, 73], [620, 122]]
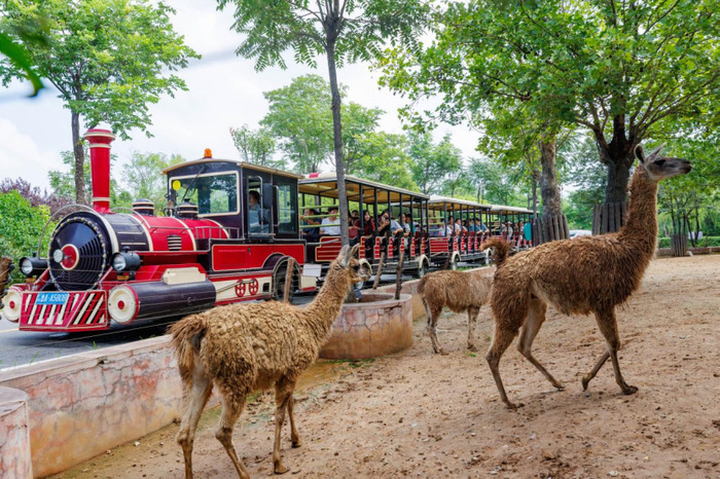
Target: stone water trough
[[375, 326]]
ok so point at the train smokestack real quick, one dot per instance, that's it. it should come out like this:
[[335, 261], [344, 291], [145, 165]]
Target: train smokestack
[[100, 140]]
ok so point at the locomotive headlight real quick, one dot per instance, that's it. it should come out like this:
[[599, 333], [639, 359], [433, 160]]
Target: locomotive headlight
[[123, 262], [58, 255], [32, 266]]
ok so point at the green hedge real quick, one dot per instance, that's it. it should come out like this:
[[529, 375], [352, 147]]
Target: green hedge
[[704, 241]]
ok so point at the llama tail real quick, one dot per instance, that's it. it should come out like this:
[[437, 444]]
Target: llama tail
[[187, 335], [500, 252], [421, 285]]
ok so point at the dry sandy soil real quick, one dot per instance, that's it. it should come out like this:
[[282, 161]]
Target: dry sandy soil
[[423, 415]]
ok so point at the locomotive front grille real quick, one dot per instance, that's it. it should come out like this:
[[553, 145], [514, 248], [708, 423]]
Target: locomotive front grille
[[91, 249]]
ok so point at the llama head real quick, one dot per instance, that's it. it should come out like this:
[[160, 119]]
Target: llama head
[[660, 167], [348, 263]]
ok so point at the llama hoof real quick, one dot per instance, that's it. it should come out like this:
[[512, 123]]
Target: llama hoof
[[560, 387], [296, 443], [586, 381], [443, 352], [472, 348], [280, 469], [630, 390], [513, 406]]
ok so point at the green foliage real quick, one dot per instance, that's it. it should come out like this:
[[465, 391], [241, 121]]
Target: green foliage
[[62, 182], [433, 165], [144, 179], [299, 115], [625, 71], [383, 157], [358, 29], [705, 241], [21, 225], [256, 146], [108, 59]]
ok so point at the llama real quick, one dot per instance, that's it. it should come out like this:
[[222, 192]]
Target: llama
[[244, 348], [581, 275], [459, 292]]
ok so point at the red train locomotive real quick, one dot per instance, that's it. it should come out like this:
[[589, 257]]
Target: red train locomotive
[[229, 233]]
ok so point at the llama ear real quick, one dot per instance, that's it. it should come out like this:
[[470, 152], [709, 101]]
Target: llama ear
[[640, 154], [342, 254], [654, 153], [354, 250]]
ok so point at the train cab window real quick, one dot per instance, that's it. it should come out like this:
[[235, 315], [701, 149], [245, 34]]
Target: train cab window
[[215, 194], [257, 207], [287, 207]]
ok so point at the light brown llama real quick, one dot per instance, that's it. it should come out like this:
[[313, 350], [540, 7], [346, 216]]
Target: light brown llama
[[244, 348], [460, 292], [581, 275]]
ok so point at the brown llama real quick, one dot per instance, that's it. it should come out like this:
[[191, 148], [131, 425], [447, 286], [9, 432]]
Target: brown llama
[[579, 276], [458, 291], [244, 348]]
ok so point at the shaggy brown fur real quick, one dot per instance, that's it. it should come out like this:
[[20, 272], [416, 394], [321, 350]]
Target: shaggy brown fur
[[243, 348], [458, 291], [582, 275]]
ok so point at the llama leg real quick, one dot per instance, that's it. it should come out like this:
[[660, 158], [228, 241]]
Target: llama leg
[[283, 394], [232, 406], [608, 327], [535, 319], [473, 313], [589, 376], [294, 437], [501, 340], [433, 314], [197, 395]]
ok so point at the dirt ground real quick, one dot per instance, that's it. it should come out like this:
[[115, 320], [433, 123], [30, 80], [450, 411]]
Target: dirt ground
[[418, 414]]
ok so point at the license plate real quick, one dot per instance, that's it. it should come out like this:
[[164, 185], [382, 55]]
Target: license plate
[[51, 298]]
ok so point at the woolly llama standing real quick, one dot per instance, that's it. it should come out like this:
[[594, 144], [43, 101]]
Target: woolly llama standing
[[458, 291], [249, 347], [582, 275]]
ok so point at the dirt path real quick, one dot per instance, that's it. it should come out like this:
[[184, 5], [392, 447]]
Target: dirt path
[[422, 415]]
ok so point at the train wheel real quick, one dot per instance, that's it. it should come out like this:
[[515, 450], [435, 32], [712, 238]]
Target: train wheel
[[279, 282]]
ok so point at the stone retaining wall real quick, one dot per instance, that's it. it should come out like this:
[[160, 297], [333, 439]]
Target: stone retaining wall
[[81, 405], [14, 435]]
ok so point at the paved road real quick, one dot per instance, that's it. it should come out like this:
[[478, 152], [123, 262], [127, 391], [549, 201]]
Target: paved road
[[18, 348]]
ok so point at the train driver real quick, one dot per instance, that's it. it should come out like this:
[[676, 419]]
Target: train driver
[[257, 221]]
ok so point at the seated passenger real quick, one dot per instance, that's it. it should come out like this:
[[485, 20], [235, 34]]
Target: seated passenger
[[331, 224], [306, 219]]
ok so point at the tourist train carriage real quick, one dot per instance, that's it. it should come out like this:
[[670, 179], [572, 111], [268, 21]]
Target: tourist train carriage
[[214, 247], [509, 222], [449, 244], [318, 191]]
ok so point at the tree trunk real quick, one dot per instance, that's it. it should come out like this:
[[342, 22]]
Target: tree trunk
[[79, 154], [337, 132], [552, 203], [617, 181], [534, 193]]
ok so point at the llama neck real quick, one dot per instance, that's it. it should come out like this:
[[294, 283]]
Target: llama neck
[[641, 226], [321, 313]]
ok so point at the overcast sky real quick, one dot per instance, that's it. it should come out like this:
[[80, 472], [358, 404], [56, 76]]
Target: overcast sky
[[223, 91]]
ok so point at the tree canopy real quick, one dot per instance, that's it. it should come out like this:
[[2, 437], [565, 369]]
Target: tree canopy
[[108, 59], [621, 70], [341, 30]]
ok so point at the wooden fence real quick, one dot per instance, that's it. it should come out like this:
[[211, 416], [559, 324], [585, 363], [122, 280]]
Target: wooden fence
[[549, 228], [608, 217]]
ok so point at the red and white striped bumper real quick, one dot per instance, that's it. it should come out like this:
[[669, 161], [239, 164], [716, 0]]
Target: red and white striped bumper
[[82, 311]]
